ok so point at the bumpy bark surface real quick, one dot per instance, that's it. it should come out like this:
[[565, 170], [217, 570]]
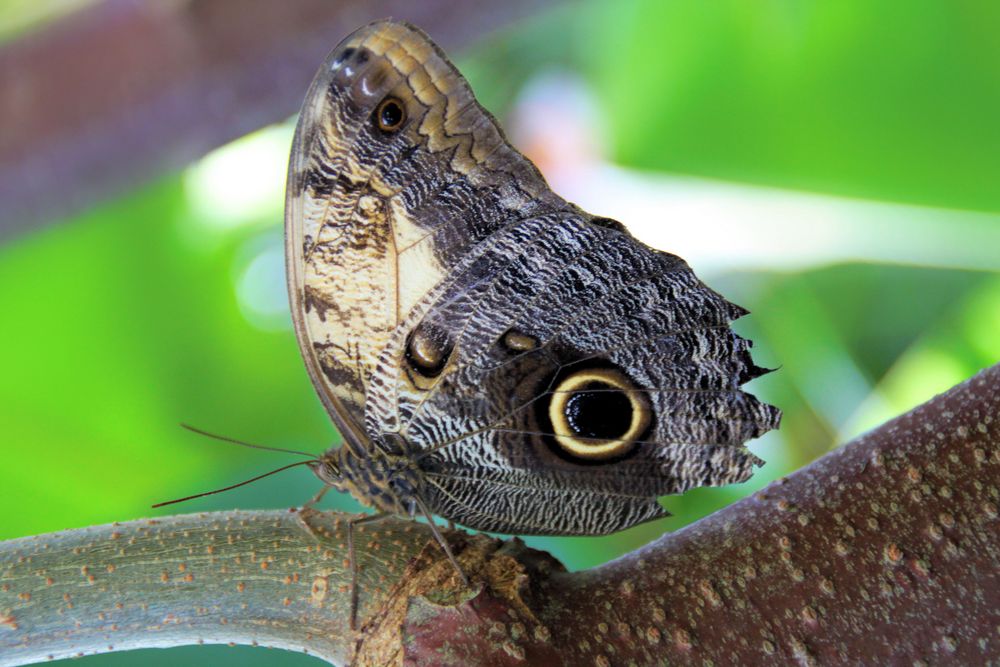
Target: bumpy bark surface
[[885, 551]]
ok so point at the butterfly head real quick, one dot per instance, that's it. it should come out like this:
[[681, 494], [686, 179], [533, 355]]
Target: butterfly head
[[327, 468]]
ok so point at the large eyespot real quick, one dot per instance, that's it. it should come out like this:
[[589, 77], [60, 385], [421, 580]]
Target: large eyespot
[[598, 414], [390, 114], [428, 350]]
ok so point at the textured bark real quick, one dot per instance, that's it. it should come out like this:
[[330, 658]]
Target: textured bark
[[122, 91], [275, 578], [884, 551]]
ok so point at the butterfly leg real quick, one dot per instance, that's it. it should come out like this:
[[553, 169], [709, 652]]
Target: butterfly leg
[[441, 540], [367, 518], [316, 498], [307, 509]]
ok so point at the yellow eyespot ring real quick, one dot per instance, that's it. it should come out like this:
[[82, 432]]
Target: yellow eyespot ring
[[591, 383], [390, 114]]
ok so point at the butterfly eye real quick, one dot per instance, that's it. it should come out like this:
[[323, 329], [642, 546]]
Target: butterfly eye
[[390, 115], [428, 350], [598, 414]]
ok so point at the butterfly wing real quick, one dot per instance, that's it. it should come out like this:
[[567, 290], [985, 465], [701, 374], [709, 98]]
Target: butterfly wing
[[589, 374], [547, 372], [375, 213]]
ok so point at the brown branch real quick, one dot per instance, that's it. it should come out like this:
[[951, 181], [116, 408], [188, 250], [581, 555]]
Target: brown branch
[[111, 96], [886, 551]]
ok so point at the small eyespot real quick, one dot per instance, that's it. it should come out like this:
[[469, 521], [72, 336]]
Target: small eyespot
[[350, 61], [342, 57], [598, 414], [515, 341], [390, 115], [428, 350]]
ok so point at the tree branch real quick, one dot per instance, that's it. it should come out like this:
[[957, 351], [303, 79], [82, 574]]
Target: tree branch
[[884, 551], [118, 93], [274, 578]]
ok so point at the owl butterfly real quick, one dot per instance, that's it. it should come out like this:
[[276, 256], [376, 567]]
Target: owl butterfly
[[490, 352]]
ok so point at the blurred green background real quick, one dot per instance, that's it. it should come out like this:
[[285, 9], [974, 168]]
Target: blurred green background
[[168, 305]]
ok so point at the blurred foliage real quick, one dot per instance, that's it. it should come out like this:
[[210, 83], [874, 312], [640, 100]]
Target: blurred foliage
[[20, 16], [880, 99], [129, 319]]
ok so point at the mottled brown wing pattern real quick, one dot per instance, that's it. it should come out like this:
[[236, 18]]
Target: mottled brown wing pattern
[[590, 296], [535, 368], [375, 219]]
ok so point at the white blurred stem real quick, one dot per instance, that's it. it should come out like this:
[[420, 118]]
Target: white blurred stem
[[718, 226]]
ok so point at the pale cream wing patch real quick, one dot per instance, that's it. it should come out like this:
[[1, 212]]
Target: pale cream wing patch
[[362, 245]]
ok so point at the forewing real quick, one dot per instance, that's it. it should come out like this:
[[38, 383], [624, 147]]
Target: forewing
[[375, 219]]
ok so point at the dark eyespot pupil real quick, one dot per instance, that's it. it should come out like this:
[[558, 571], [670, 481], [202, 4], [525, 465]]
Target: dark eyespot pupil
[[598, 411], [344, 55], [391, 115]]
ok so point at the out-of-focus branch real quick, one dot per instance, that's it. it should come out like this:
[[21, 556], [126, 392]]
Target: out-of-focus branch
[[886, 551], [115, 94]]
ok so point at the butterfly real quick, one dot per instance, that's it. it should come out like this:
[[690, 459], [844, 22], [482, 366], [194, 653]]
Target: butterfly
[[491, 353]]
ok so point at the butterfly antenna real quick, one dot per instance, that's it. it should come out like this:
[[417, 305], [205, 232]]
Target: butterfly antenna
[[234, 441], [233, 486]]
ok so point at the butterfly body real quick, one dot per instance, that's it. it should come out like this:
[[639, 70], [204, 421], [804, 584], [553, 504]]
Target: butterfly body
[[387, 482], [490, 352]]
